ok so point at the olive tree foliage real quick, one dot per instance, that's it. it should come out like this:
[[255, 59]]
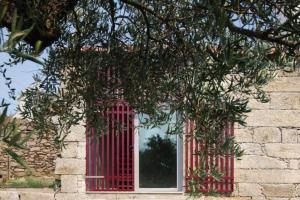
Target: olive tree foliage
[[202, 59], [11, 135]]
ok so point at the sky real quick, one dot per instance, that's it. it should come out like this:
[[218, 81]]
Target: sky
[[21, 75]]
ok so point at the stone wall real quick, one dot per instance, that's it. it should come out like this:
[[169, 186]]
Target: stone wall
[[269, 170], [27, 194], [39, 156], [270, 167]]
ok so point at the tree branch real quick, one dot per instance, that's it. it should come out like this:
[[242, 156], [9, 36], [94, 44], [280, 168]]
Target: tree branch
[[261, 35], [144, 8]]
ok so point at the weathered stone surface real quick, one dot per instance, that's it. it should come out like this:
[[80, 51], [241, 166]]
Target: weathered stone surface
[[278, 190], [280, 176], [243, 135], [294, 164], [9, 195], [260, 162], [70, 150], [289, 135], [36, 196], [81, 152], [260, 198], [256, 105], [250, 189], [274, 118], [285, 101], [69, 166], [284, 84], [283, 150], [297, 190], [81, 183], [69, 183], [69, 196], [252, 148], [266, 135], [77, 134]]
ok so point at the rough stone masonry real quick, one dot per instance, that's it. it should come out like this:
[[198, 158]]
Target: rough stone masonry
[[40, 156]]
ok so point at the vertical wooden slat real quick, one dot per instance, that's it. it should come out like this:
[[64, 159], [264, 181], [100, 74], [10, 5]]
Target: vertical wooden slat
[[118, 148], [127, 147], [132, 144], [196, 148], [217, 166], [211, 158], [113, 147], [226, 161], [108, 133], [191, 149], [97, 160], [232, 158], [123, 145], [102, 155], [206, 170], [186, 154], [93, 158], [87, 147]]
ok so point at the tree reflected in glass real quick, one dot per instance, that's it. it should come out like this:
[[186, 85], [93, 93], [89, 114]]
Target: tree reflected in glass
[[158, 163]]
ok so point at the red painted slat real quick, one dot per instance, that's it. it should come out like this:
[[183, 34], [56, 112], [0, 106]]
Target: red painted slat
[[186, 152], [118, 148], [132, 144], [223, 164], [113, 148], [123, 145], [232, 158], [191, 149], [107, 150], [102, 157], [97, 143], [226, 160], [87, 147], [217, 166], [93, 156], [128, 146]]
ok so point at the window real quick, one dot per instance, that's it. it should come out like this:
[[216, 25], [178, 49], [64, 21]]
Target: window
[[158, 158], [141, 159]]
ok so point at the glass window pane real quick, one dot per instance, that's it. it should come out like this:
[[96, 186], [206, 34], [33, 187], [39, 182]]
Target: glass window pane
[[158, 158]]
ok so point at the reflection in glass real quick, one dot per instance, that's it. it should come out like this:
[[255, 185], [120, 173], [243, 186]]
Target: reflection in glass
[[158, 158]]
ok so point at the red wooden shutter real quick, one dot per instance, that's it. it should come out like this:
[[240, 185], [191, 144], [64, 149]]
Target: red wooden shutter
[[223, 164], [110, 162]]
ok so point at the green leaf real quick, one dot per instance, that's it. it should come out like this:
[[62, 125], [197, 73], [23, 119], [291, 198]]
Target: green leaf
[[3, 12], [28, 57], [37, 46], [17, 158], [18, 34], [3, 116]]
